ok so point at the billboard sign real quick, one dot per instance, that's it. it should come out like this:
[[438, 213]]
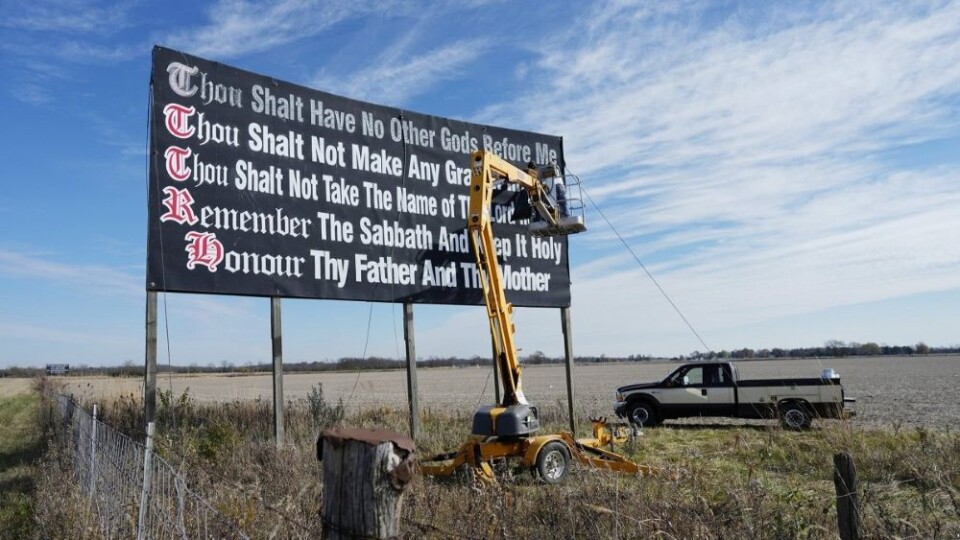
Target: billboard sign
[[58, 369], [266, 188]]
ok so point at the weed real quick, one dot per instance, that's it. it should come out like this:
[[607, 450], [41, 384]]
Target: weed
[[323, 414]]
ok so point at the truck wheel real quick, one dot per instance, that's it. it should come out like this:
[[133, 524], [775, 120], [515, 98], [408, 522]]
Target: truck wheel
[[794, 416], [553, 462], [642, 414]]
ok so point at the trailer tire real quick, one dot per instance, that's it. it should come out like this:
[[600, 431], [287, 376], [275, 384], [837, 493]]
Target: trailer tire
[[553, 462], [642, 414], [795, 416]]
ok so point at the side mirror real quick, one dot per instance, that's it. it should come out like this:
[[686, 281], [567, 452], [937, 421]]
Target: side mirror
[[686, 381]]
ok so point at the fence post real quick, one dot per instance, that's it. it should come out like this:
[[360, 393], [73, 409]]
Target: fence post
[[147, 478], [364, 475], [93, 452], [848, 501]]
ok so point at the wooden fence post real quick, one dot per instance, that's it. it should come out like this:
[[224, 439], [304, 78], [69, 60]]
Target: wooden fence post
[[364, 474], [93, 452], [848, 501]]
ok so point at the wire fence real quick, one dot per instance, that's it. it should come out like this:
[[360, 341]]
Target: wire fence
[[133, 492]]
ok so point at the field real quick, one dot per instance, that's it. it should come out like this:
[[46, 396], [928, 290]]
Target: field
[[722, 478], [890, 390]]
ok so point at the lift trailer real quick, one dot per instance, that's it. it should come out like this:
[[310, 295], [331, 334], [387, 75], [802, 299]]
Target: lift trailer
[[509, 429]]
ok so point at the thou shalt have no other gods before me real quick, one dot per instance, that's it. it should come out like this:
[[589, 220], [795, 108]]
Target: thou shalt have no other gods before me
[[261, 187]]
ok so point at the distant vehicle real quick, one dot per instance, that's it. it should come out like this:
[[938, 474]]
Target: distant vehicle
[[715, 389]]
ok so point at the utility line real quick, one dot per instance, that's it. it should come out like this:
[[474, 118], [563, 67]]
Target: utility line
[[644, 267]]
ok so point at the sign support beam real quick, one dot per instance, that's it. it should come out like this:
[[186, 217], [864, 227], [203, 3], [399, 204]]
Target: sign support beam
[[568, 354], [277, 341], [150, 360], [411, 370]]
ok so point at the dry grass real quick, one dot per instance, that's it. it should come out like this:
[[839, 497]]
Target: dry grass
[[15, 386], [741, 481]]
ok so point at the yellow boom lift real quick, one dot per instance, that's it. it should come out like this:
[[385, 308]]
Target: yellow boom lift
[[509, 429]]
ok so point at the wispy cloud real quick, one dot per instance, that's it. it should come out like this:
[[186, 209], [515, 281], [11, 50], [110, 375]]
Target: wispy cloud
[[238, 27], [100, 279], [76, 16], [679, 96], [45, 43], [91, 278], [47, 334], [744, 158], [399, 74], [31, 93], [194, 319], [400, 70], [33, 75]]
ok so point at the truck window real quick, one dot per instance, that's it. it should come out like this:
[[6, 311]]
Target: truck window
[[694, 376], [711, 376], [716, 376]]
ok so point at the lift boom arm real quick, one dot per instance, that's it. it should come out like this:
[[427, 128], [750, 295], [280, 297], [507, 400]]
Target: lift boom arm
[[486, 170], [507, 429]]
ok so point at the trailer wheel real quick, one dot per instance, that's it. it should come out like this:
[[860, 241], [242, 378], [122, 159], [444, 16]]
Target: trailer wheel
[[642, 414], [794, 416], [553, 462]]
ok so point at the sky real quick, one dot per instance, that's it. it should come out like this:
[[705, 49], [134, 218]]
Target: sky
[[787, 171]]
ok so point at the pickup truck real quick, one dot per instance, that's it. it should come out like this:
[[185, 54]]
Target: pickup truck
[[715, 389]]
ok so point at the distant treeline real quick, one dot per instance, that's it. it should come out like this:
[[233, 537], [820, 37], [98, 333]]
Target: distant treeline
[[831, 349]]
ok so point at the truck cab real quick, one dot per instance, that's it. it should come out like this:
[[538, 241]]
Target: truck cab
[[700, 390]]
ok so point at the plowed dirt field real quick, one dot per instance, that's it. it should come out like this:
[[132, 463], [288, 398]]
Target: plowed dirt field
[[890, 390]]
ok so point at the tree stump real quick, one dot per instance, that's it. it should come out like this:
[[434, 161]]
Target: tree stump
[[364, 474]]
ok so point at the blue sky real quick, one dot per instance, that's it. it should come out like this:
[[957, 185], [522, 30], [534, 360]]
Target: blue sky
[[788, 171]]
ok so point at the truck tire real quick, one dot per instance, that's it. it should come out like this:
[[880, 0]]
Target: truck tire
[[553, 462], [642, 414], [795, 416]]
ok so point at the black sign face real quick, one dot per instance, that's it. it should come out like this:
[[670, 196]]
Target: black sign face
[[265, 188]]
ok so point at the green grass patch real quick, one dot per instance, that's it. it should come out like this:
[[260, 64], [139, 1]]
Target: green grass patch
[[19, 449]]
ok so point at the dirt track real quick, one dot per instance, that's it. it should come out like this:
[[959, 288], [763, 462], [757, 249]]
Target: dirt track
[[890, 390]]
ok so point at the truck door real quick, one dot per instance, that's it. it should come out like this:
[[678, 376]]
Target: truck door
[[684, 395], [720, 391]]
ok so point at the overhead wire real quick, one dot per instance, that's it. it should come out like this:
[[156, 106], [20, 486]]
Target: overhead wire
[[485, 383], [363, 356], [644, 267], [403, 181]]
